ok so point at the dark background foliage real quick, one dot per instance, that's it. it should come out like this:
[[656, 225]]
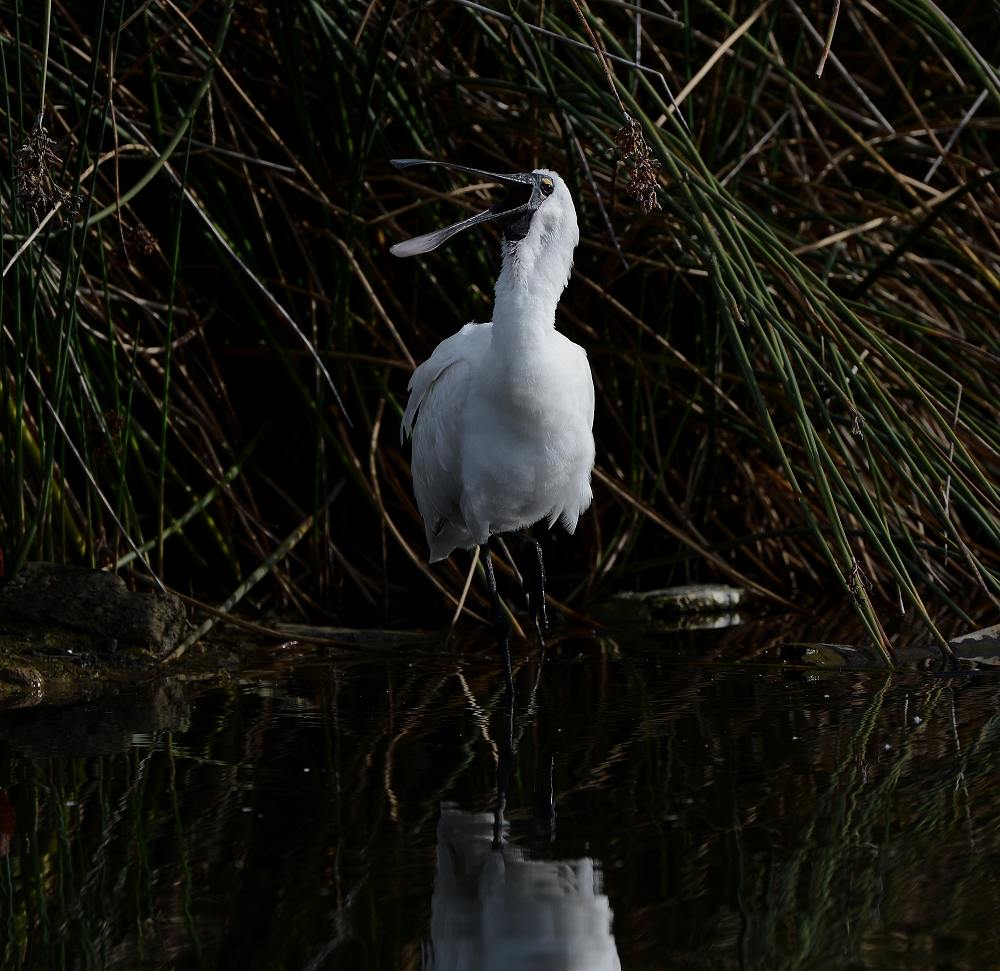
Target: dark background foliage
[[795, 356]]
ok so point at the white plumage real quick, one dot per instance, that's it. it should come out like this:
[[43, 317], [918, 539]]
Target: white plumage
[[495, 909], [502, 413]]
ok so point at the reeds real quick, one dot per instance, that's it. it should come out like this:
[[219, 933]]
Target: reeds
[[796, 355]]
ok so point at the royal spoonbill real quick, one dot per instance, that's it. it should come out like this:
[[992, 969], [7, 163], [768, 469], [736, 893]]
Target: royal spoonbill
[[501, 414], [497, 908]]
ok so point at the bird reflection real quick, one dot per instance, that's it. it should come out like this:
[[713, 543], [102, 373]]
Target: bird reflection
[[495, 908]]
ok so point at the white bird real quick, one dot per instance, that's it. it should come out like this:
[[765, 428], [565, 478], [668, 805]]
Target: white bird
[[496, 908], [501, 414]]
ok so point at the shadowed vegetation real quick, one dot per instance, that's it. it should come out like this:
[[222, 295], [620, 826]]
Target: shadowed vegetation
[[205, 349]]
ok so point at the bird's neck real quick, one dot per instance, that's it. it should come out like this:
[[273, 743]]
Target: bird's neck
[[528, 289]]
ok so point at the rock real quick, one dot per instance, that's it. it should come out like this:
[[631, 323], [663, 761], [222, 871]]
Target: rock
[[21, 676], [690, 605], [687, 599], [20, 684], [96, 602], [830, 655], [979, 645]]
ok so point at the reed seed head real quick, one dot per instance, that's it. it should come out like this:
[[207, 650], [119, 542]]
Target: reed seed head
[[36, 189], [643, 181]]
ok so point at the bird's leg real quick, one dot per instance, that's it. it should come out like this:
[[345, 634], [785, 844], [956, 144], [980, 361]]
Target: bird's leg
[[545, 800], [505, 767], [499, 619], [533, 574]]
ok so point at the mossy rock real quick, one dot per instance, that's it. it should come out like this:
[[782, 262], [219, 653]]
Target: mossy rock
[[691, 605], [96, 603]]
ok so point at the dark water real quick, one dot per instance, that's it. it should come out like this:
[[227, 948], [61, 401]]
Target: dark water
[[661, 814]]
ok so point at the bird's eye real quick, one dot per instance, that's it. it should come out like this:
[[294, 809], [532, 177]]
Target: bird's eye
[[547, 186]]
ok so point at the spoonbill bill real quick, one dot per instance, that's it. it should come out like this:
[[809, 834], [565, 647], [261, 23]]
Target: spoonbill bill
[[501, 414]]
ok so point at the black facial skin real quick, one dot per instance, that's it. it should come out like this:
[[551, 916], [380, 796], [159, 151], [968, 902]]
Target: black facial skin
[[515, 228]]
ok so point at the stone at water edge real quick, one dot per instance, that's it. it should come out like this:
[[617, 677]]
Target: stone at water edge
[[690, 598], [689, 605], [978, 645], [95, 602]]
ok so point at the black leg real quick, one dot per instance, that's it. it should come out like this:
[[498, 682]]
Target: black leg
[[545, 799], [499, 619], [533, 579], [505, 768]]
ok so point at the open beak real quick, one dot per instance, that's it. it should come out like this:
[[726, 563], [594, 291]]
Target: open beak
[[513, 212]]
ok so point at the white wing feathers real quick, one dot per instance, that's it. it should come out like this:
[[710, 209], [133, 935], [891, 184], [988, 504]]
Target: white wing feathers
[[494, 456], [448, 352], [439, 390]]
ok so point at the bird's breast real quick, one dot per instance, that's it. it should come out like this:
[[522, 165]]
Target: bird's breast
[[548, 382], [535, 422]]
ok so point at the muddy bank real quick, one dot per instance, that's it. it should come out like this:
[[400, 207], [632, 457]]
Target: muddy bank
[[50, 664], [68, 633]]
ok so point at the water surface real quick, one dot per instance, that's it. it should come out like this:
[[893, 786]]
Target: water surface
[[657, 812]]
